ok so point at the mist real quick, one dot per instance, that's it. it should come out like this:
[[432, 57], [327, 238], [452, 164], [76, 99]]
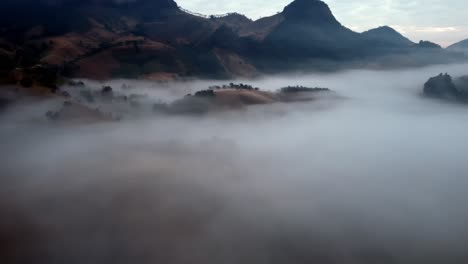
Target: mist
[[378, 176]]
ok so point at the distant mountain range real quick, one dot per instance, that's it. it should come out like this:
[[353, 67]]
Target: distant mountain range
[[156, 39], [461, 46]]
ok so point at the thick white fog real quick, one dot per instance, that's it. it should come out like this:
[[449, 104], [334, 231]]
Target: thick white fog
[[379, 176]]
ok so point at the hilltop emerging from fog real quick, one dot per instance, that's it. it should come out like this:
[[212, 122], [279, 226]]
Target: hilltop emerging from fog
[[156, 39], [83, 103]]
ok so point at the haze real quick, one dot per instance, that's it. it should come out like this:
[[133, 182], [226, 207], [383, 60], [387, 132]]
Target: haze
[[375, 177]]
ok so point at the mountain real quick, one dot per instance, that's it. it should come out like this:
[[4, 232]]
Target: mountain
[[156, 39], [461, 46], [312, 12], [307, 35], [388, 35], [103, 39], [309, 30]]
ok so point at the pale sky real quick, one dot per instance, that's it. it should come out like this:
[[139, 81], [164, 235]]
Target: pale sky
[[443, 22]]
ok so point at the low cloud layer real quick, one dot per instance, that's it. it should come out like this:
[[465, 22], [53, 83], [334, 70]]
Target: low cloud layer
[[378, 177]]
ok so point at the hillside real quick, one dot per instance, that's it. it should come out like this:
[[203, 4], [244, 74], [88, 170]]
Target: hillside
[[309, 29], [388, 35], [102, 39], [461, 46]]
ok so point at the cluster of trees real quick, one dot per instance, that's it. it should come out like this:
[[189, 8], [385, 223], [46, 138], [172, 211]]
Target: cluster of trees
[[106, 90], [210, 16], [296, 89], [443, 86], [76, 83], [205, 93], [239, 86], [106, 93], [40, 74]]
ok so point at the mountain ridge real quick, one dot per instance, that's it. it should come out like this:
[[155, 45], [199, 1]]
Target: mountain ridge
[[461, 46], [104, 39], [388, 34]]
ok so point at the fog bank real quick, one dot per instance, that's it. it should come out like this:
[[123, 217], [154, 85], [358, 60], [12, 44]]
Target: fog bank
[[378, 177]]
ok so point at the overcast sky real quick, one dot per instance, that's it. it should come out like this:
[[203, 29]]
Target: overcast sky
[[444, 22]]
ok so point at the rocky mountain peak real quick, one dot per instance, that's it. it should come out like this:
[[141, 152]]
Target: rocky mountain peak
[[310, 11]]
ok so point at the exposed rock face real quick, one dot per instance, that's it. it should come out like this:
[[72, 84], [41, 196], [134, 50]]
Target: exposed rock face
[[444, 87]]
